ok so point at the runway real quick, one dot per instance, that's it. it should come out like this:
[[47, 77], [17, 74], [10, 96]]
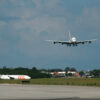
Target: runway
[[54, 92]]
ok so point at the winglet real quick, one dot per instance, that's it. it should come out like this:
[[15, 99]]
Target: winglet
[[94, 39]]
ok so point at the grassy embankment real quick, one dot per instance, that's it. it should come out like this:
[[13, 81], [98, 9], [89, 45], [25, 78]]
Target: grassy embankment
[[59, 81]]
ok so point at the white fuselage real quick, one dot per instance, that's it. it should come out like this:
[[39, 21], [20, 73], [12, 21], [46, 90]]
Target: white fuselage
[[73, 39], [16, 77]]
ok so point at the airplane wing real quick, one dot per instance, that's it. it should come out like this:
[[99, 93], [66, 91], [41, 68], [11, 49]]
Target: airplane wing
[[86, 41], [61, 42], [69, 43]]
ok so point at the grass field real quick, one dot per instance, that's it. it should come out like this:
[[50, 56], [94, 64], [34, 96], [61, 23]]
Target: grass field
[[59, 81]]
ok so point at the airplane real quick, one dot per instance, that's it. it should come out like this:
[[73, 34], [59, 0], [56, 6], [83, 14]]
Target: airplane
[[16, 77], [72, 41]]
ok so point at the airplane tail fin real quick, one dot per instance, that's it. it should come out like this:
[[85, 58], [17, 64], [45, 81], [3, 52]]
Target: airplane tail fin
[[69, 36]]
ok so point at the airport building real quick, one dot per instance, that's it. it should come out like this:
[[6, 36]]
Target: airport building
[[65, 74]]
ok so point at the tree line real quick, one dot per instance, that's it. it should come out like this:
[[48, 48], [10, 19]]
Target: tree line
[[44, 73], [33, 72]]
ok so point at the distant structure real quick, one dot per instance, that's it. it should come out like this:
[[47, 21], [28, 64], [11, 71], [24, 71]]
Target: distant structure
[[58, 74], [73, 73], [65, 74]]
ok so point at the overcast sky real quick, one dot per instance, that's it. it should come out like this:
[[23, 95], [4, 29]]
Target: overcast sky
[[26, 24]]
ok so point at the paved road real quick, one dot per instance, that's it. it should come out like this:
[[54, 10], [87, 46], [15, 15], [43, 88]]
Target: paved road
[[26, 92]]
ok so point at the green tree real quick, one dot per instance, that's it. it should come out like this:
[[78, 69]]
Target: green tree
[[95, 73], [67, 69], [81, 73]]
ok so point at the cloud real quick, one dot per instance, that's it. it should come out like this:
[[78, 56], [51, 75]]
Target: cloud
[[90, 17], [25, 25]]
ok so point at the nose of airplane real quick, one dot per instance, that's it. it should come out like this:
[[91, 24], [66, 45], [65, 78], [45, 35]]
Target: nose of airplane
[[73, 39], [27, 77]]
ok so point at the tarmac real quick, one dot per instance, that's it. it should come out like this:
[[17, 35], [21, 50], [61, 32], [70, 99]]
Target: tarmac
[[47, 92]]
